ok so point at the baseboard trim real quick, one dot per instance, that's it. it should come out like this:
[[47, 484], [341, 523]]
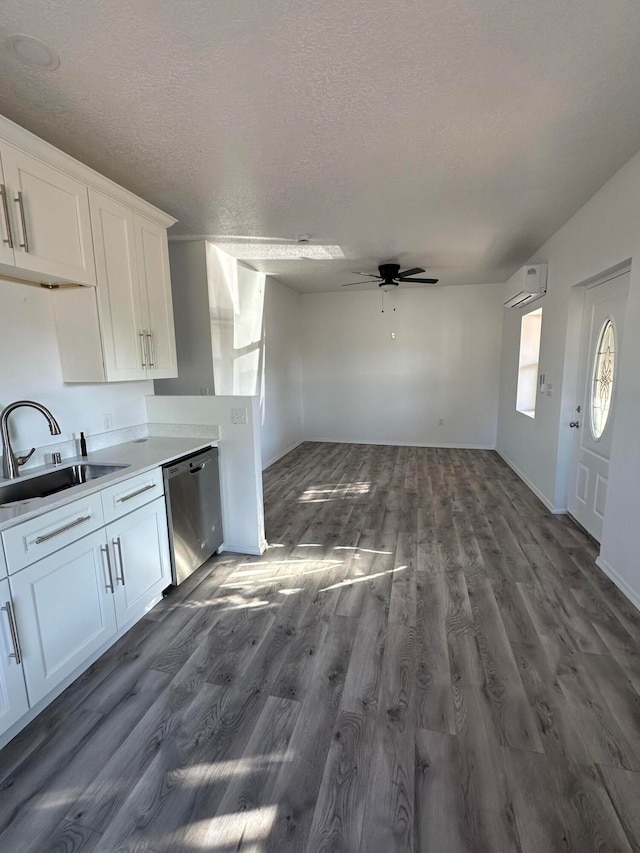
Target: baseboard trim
[[444, 445], [252, 550], [619, 581], [554, 510], [279, 456]]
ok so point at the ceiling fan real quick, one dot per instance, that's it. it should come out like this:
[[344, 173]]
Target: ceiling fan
[[389, 277]]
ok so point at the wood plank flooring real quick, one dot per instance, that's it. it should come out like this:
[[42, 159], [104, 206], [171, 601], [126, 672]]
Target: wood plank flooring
[[424, 661]]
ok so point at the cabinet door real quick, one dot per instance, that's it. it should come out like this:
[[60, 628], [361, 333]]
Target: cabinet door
[[6, 231], [140, 546], [155, 288], [13, 694], [64, 612], [50, 219], [119, 303]]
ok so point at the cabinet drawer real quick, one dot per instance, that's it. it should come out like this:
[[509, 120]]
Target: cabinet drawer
[[128, 495], [32, 540]]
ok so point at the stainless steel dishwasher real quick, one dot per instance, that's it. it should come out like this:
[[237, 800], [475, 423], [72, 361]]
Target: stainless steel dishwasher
[[194, 512]]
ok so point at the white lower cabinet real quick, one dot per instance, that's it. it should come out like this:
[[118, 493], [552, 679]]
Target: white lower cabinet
[[64, 608], [139, 544], [13, 693], [64, 611]]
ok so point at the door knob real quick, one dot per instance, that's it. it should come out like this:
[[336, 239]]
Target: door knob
[[575, 424]]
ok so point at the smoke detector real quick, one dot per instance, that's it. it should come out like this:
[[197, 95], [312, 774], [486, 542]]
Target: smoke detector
[[33, 52]]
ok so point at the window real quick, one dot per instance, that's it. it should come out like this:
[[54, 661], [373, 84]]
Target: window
[[602, 384], [530, 331]]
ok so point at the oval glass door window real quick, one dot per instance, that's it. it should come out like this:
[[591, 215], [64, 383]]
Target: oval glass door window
[[602, 386]]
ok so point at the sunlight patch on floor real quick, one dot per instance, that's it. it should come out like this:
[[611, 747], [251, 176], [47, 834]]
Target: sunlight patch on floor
[[361, 550], [225, 771], [231, 831], [329, 492], [350, 581]]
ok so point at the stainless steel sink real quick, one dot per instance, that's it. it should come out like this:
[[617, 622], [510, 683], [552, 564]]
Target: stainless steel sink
[[53, 482]]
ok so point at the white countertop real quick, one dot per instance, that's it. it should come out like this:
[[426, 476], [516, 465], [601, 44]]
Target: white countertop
[[139, 456]]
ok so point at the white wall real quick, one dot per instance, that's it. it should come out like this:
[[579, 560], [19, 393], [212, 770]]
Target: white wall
[[191, 314], [281, 396], [362, 385], [602, 235], [237, 331], [30, 369]]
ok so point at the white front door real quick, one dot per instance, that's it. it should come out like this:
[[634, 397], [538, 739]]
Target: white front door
[[602, 329]]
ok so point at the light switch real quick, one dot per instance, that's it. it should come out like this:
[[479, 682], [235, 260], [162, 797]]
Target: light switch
[[238, 416]]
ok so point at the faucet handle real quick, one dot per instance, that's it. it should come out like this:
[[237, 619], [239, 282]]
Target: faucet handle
[[22, 459]]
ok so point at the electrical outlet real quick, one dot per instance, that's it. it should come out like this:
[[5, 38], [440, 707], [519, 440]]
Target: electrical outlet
[[238, 416], [107, 422]]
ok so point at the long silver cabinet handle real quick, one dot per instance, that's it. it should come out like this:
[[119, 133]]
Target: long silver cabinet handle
[[152, 353], [136, 493], [7, 219], [117, 544], [143, 348], [23, 222], [80, 520], [105, 550], [17, 654]]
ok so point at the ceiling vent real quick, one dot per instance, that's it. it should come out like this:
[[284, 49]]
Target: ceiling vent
[[527, 285]]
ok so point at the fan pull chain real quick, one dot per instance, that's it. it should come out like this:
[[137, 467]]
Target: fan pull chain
[[393, 300]]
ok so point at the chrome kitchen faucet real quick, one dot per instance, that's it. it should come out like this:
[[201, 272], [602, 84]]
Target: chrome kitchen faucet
[[11, 462]]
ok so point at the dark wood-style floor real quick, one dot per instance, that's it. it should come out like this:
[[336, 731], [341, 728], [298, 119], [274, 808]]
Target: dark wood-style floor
[[424, 660]]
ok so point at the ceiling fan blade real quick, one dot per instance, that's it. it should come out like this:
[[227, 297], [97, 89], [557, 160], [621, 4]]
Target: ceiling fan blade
[[420, 280], [414, 271], [371, 281], [368, 274]]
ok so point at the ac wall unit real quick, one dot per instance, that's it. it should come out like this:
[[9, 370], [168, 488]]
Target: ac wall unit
[[527, 285]]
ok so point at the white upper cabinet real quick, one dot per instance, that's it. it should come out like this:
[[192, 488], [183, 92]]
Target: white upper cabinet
[[119, 299], [61, 223], [157, 306], [125, 331], [47, 212], [7, 257]]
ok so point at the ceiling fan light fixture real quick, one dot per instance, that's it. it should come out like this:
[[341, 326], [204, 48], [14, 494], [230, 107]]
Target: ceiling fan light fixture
[[388, 286]]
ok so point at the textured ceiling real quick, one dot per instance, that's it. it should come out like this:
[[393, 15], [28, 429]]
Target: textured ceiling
[[455, 135]]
